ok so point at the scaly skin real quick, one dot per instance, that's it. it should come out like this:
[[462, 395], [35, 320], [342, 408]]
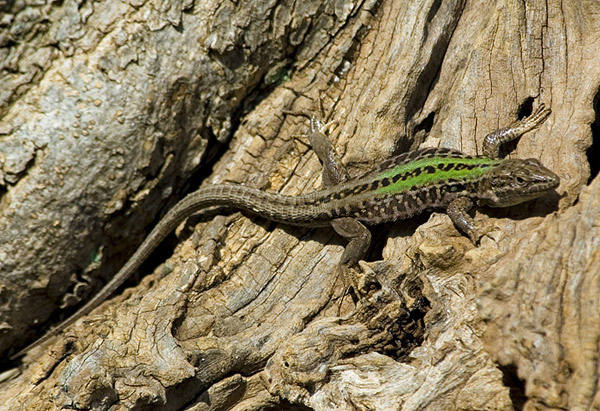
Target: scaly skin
[[401, 187]]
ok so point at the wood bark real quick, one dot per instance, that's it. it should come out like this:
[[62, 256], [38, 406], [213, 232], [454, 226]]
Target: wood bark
[[111, 111]]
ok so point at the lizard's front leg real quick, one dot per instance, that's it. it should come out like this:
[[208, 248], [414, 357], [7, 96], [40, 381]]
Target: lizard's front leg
[[358, 236], [493, 141], [458, 212], [334, 171]]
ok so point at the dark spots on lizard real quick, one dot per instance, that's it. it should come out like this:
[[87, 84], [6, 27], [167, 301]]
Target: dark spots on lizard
[[413, 154], [404, 176], [316, 201], [386, 164], [430, 169], [337, 196], [397, 177], [401, 207], [463, 166], [346, 192], [390, 208], [416, 172], [445, 167], [422, 196], [454, 188], [411, 201], [396, 206], [434, 194], [399, 159], [360, 189]]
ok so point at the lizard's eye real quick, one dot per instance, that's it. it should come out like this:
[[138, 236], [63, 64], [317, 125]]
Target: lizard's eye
[[520, 180]]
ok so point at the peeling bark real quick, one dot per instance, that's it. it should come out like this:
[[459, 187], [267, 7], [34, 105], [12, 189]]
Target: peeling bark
[[111, 111]]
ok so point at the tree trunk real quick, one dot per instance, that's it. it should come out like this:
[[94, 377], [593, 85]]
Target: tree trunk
[[111, 111]]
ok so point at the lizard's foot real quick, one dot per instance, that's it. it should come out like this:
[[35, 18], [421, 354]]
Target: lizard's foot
[[365, 282], [361, 278], [477, 233]]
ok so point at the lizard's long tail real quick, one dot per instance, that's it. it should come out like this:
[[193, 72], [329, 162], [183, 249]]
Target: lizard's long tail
[[301, 210]]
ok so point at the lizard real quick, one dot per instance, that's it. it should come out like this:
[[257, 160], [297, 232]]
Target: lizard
[[399, 188]]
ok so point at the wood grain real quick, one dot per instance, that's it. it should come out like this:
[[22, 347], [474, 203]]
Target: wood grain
[[247, 314]]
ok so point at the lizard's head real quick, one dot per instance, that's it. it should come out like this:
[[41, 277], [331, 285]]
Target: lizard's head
[[515, 181]]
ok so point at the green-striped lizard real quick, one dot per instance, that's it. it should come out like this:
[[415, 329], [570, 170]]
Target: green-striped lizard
[[401, 187]]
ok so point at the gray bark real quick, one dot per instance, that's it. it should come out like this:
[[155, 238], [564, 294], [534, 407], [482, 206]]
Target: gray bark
[[110, 109]]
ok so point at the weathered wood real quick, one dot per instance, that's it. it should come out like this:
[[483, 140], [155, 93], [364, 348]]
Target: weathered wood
[[102, 131]]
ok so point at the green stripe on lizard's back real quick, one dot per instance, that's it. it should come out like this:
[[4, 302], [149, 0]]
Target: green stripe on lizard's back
[[406, 185], [398, 188], [369, 182], [432, 170]]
